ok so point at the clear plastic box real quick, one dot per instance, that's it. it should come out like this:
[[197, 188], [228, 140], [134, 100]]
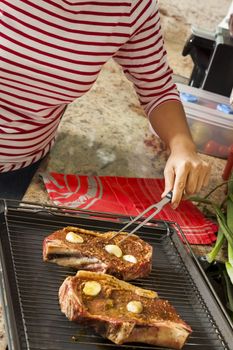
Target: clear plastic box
[[210, 117]]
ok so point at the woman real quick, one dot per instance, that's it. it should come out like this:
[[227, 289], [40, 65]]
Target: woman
[[52, 52]]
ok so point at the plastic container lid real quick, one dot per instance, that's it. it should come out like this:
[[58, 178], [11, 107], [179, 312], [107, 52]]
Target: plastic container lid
[[205, 107], [188, 97], [225, 108]]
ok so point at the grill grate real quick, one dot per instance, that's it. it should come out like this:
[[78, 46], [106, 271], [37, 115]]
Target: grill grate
[[32, 309]]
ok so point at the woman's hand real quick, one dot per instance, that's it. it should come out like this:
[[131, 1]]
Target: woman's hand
[[185, 173]]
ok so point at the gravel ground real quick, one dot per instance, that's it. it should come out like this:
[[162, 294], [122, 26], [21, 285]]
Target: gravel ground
[[206, 14]]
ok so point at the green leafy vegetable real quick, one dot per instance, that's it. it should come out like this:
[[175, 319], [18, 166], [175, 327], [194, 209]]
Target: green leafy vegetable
[[229, 293], [229, 269], [218, 245], [224, 216]]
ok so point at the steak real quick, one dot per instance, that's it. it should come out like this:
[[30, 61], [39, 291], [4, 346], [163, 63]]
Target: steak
[[121, 312], [90, 252]]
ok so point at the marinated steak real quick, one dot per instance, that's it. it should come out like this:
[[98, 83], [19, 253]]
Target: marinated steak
[[120, 311], [88, 250]]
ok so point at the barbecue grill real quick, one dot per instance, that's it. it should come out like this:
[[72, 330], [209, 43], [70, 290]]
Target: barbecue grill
[[30, 287]]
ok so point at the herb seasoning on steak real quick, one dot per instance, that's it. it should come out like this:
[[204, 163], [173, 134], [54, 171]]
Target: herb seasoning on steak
[[156, 322], [90, 252]]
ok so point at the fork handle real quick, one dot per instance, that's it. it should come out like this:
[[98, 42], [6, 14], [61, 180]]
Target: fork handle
[[169, 195]]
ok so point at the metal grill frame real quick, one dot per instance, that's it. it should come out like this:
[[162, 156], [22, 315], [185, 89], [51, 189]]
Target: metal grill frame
[[167, 239]]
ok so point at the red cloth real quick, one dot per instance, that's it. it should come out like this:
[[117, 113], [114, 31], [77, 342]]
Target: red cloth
[[127, 196]]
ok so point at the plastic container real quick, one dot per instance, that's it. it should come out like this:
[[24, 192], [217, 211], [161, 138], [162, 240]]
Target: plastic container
[[210, 125]]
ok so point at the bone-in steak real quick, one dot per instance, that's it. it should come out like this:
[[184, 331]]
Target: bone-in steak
[[120, 311], [88, 252]]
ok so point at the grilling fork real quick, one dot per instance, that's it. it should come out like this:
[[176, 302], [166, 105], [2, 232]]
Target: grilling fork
[[157, 206]]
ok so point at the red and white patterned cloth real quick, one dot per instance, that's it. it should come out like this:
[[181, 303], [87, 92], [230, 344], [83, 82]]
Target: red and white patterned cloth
[[127, 196]]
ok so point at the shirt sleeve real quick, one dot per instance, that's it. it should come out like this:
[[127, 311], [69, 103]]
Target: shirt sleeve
[[144, 61]]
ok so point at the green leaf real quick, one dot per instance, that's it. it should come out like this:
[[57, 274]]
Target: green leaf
[[230, 195], [230, 254], [224, 227], [230, 206], [211, 256], [200, 200], [229, 269], [229, 289]]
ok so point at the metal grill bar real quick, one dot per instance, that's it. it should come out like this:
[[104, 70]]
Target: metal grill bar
[[41, 325]]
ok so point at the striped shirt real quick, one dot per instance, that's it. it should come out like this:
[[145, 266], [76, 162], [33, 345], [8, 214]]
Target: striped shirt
[[51, 52]]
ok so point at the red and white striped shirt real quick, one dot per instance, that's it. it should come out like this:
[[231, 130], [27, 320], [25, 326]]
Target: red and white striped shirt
[[51, 52]]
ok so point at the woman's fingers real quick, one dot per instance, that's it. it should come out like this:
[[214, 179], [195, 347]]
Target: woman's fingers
[[196, 178], [187, 174], [203, 177], [181, 176], [169, 176]]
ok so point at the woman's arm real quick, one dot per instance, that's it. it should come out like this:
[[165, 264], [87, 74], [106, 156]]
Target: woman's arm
[[144, 61], [185, 171]]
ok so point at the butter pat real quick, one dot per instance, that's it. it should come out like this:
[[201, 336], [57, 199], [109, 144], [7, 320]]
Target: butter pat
[[135, 307], [92, 288], [130, 258], [114, 249], [74, 238]]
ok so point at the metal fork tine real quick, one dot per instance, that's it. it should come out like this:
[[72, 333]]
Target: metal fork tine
[[138, 217], [158, 206], [135, 219], [140, 225]]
